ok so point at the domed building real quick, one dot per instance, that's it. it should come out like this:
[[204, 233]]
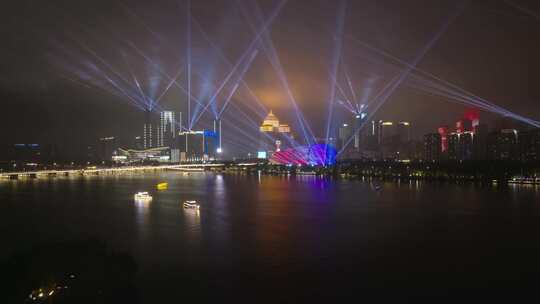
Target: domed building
[[271, 124], [273, 135]]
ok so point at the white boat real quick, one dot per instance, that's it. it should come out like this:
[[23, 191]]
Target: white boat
[[142, 196], [191, 205]]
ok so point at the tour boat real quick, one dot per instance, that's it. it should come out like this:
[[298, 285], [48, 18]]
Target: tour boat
[[162, 186], [142, 196], [191, 205]]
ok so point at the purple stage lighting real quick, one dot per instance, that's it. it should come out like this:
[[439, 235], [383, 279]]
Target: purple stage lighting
[[316, 155]]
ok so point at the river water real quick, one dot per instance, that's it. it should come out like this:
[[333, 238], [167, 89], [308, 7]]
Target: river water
[[293, 238]]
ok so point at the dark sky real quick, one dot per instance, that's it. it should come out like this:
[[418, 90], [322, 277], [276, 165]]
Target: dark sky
[[49, 92]]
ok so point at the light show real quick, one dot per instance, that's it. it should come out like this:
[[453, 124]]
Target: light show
[[318, 155], [240, 77]]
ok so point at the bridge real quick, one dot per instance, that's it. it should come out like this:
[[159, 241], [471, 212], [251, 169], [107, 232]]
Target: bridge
[[110, 171]]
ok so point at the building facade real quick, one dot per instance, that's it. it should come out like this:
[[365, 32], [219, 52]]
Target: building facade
[[274, 136], [197, 146], [168, 128], [460, 145], [432, 147], [503, 145]]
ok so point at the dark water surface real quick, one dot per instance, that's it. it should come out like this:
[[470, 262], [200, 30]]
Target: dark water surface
[[289, 239]]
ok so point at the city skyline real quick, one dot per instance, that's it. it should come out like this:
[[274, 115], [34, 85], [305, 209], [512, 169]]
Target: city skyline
[[282, 151], [257, 70]]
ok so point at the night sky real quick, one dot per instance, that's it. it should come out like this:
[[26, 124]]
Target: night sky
[[50, 94]]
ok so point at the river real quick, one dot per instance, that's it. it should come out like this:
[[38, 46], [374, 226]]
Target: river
[[289, 238]]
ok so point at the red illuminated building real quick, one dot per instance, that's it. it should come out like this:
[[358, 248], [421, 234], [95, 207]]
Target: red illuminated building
[[443, 131], [473, 116], [469, 122]]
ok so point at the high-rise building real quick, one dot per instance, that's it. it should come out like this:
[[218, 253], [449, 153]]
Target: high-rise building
[[466, 145], [374, 130], [356, 128], [168, 128], [388, 139], [404, 131], [443, 131], [460, 145], [529, 142], [218, 132], [345, 132], [197, 145], [480, 141], [432, 147], [138, 143], [148, 131], [107, 145], [503, 145], [453, 146], [473, 116], [387, 131]]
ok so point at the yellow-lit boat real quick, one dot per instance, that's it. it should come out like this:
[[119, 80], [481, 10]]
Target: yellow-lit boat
[[162, 186]]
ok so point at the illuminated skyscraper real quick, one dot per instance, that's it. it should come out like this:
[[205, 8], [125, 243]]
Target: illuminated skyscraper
[[404, 131], [358, 120], [345, 132], [473, 116], [460, 145], [387, 130], [168, 128], [148, 131], [217, 131], [197, 145], [443, 131]]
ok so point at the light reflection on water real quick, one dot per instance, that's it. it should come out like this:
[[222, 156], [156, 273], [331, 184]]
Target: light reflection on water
[[249, 221], [192, 223], [142, 216]]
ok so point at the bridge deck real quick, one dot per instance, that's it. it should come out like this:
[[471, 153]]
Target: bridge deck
[[103, 170]]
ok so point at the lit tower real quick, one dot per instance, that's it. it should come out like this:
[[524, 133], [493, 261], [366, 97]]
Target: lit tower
[[167, 129], [217, 131], [404, 131], [344, 135], [443, 132], [148, 130], [473, 116], [279, 133], [358, 120]]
